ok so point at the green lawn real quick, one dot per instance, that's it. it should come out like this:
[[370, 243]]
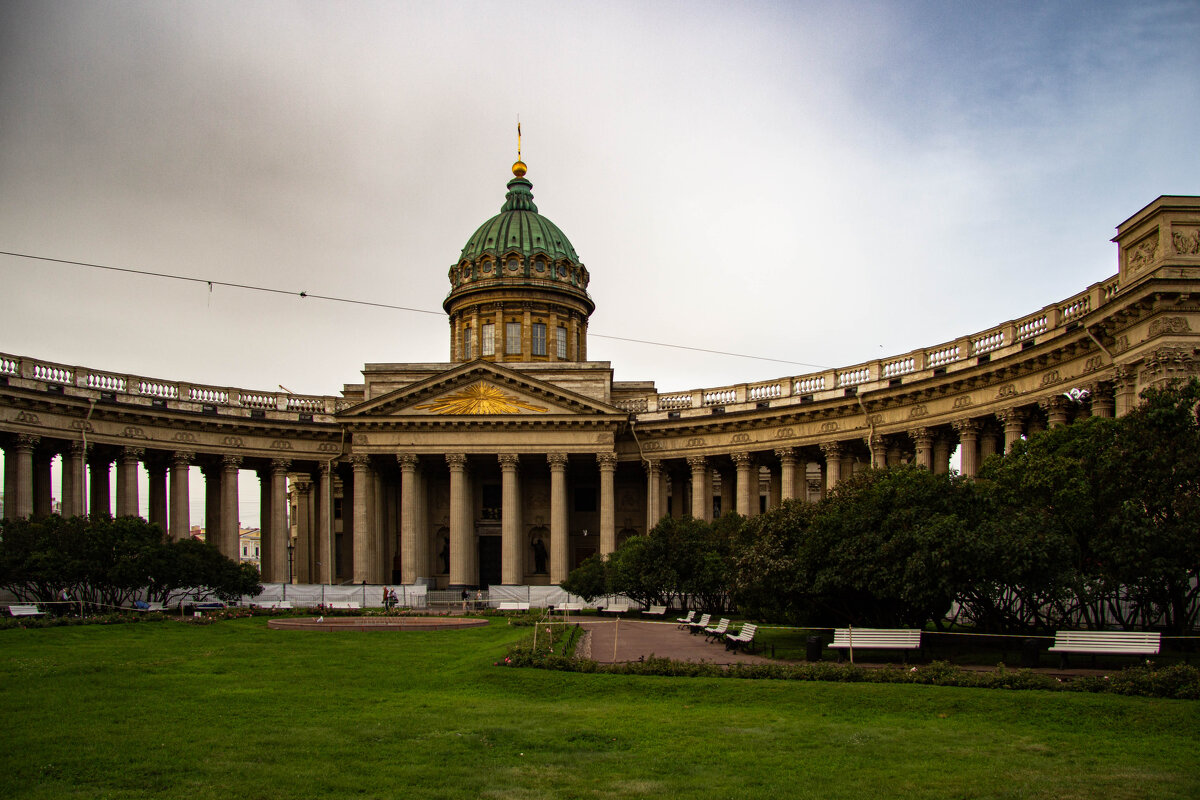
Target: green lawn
[[234, 710]]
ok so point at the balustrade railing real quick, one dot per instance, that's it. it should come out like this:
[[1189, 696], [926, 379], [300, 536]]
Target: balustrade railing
[[158, 389], [804, 386], [996, 338]]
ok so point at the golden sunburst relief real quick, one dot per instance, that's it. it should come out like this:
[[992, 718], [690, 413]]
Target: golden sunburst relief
[[479, 398]]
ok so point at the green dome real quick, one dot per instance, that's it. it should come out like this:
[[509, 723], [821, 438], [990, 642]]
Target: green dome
[[519, 227]]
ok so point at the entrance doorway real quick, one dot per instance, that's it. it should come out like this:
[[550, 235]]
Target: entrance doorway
[[489, 561]]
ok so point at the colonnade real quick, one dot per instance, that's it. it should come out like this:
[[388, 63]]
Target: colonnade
[[28, 490]]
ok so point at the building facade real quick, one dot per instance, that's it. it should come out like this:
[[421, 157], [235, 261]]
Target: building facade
[[517, 458]]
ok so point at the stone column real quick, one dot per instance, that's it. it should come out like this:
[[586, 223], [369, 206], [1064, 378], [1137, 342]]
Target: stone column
[[156, 471], [461, 539], [833, 463], [408, 518], [363, 532], [180, 522], [266, 547], [560, 544], [23, 502], [10, 480], [230, 527], [302, 563], [212, 504], [1014, 424], [653, 493], [701, 488], [747, 483], [279, 518], [877, 449], [1124, 389], [381, 564], [324, 546], [72, 479], [100, 502], [43, 491], [512, 554], [1103, 403], [1058, 410], [942, 448], [894, 453], [989, 444], [787, 473], [968, 440], [127, 482], [608, 502]]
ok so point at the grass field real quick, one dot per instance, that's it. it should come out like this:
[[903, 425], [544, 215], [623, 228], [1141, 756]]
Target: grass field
[[234, 710]]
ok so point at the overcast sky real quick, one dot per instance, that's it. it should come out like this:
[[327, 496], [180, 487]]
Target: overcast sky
[[822, 183]]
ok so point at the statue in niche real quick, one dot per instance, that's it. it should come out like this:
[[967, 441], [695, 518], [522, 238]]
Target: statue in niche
[[444, 555], [539, 557]]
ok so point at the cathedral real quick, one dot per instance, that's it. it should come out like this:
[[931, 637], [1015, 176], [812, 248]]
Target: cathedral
[[518, 458]]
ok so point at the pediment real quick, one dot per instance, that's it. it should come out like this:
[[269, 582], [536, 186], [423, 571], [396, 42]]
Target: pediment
[[480, 390]]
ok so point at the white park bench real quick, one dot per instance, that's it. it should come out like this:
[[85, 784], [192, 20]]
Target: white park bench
[[276, 605], [655, 611], [616, 608], [851, 639], [685, 621], [566, 608], [29, 610], [742, 639], [344, 605], [1126, 643], [697, 625], [512, 605], [717, 631]]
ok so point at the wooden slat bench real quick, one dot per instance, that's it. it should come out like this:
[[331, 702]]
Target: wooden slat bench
[[29, 610], [685, 621], [512, 605], [903, 639], [568, 607], [1125, 643], [616, 608], [345, 605], [695, 626], [655, 611], [718, 630], [743, 639]]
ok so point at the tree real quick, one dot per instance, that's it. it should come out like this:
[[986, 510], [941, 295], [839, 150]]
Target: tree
[[108, 562]]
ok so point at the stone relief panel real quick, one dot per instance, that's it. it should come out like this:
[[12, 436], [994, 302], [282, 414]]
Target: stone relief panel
[[829, 427], [918, 411], [1051, 377], [1169, 325], [740, 438], [1186, 241], [1140, 255], [962, 401]]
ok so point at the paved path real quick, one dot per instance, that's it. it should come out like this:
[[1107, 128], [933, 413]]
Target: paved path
[[638, 639]]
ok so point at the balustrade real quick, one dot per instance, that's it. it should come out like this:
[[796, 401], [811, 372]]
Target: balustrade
[[810, 385], [987, 343], [942, 356], [900, 366], [853, 377]]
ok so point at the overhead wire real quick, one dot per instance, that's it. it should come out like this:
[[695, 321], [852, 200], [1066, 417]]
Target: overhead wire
[[210, 282]]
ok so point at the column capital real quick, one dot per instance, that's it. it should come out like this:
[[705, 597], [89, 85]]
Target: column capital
[[742, 459], [607, 461], [653, 466], [407, 461], [231, 462], [324, 468], [182, 458], [922, 437], [832, 450], [132, 454], [557, 461], [509, 461], [456, 461], [280, 464], [1011, 417], [697, 462], [359, 460], [76, 448], [302, 485], [1055, 404], [786, 454], [27, 441], [966, 427]]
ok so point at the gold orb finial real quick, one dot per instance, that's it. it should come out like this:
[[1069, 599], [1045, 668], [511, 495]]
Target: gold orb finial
[[519, 169]]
